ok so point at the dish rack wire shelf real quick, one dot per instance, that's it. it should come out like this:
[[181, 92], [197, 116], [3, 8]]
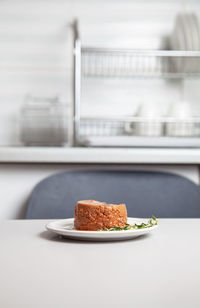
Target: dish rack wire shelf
[[130, 63]]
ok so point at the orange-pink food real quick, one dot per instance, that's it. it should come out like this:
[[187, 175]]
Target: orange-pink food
[[93, 215]]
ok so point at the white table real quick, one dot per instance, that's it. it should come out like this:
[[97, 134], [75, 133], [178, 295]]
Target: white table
[[38, 269]]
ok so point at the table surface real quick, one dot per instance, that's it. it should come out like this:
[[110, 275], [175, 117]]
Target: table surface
[[39, 269]]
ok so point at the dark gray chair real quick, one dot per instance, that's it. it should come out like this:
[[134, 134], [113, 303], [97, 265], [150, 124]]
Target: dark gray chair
[[164, 195]]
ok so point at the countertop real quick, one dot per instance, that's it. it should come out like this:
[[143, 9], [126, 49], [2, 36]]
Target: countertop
[[39, 269], [99, 155]]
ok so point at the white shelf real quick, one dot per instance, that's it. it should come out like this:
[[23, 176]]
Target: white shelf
[[98, 155], [148, 142]]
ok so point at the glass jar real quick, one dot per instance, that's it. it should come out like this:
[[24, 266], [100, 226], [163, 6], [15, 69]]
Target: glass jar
[[43, 122]]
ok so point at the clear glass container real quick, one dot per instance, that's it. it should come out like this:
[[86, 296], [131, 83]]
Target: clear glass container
[[43, 122]]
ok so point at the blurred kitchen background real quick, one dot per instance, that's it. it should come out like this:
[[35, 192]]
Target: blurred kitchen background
[[96, 82], [37, 71]]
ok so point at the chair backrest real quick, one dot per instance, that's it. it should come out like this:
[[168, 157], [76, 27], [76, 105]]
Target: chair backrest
[[164, 195]]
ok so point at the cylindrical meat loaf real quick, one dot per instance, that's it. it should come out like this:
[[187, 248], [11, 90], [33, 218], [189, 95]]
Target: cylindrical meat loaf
[[93, 215]]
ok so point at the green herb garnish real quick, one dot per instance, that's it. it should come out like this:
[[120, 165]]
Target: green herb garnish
[[151, 222]]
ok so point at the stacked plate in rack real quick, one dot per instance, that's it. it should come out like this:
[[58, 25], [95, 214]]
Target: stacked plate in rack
[[186, 37]]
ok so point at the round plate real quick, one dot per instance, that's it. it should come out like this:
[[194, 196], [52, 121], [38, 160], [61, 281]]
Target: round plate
[[196, 32], [65, 227]]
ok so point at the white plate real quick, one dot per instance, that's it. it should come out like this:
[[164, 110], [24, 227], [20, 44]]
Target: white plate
[[185, 27], [195, 32], [178, 42], [181, 33], [196, 41], [65, 227]]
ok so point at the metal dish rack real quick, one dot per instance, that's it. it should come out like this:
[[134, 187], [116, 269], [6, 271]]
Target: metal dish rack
[[122, 63]]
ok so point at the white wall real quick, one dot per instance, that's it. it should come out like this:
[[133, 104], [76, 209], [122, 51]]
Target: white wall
[[18, 180]]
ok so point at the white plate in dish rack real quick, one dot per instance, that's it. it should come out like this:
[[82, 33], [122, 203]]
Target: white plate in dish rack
[[65, 228]]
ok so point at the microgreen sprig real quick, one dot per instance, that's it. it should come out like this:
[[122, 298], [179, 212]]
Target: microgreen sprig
[[151, 222]]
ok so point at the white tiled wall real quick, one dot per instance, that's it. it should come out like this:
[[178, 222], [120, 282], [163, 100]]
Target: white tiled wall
[[35, 58]]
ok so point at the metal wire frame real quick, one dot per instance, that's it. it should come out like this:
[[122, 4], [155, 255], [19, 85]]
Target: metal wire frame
[[140, 63], [138, 126]]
